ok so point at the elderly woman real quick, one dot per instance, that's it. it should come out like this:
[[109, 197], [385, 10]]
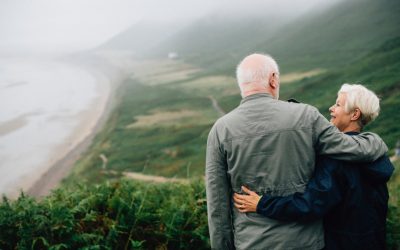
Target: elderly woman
[[351, 197]]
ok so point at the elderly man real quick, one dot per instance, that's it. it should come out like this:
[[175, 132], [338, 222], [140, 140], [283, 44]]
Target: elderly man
[[270, 146]]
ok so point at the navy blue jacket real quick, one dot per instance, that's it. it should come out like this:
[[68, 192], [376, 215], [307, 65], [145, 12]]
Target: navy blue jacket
[[351, 197]]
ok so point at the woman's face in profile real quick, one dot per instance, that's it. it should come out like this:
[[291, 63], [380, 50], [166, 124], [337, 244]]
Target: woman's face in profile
[[339, 117]]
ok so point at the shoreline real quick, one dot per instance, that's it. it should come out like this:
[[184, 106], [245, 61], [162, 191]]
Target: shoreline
[[107, 84]]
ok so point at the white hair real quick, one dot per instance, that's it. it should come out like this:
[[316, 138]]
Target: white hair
[[256, 74], [358, 96]]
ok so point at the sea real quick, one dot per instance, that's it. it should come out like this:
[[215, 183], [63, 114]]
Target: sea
[[43, 104]]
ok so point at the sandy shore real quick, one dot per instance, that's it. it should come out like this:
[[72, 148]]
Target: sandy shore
[[92, 121], [69, 152]]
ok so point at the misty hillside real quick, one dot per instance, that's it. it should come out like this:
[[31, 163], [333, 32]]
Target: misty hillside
[[142, 36], [326, 38], [220, 37], [337, 36], [345, 33], [220, 32]]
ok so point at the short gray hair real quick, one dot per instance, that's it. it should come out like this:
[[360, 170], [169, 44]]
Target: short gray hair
[[256, 74], [358, 96]]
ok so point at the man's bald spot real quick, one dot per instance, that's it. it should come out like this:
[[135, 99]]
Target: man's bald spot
[[253, 61]]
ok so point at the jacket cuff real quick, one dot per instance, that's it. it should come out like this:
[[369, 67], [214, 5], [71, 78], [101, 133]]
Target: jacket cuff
[[262, 203]]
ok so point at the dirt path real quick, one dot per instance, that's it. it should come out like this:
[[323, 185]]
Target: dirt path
[[153, 178], [216, 106]]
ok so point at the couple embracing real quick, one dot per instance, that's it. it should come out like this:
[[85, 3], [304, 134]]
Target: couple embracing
[[279, 175]]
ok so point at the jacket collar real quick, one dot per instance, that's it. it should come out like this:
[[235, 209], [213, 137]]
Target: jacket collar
[[352, 133], [256, 96]]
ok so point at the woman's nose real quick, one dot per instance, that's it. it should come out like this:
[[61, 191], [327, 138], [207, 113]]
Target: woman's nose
[[331, 108]]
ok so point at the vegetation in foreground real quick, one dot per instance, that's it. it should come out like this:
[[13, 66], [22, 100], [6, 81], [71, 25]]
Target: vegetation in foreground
[[121, 215], [128, 215]]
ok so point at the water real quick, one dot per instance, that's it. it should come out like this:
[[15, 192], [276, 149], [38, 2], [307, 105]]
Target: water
[[46, 108]]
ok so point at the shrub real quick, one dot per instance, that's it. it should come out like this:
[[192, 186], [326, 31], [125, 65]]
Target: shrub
[[120, 215]]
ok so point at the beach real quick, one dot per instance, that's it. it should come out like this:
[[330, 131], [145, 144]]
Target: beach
[[45, 128]]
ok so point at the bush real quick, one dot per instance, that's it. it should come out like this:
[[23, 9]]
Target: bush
[[122, 215], [127, 215]]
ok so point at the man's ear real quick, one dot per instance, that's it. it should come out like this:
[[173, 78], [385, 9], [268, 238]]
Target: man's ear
[[356, 114], [273, 81]]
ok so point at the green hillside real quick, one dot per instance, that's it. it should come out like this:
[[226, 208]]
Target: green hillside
[[219, 39], [166, 110], [379, 71], [159, 127], [161, 124], [338, 36], [325, 38]]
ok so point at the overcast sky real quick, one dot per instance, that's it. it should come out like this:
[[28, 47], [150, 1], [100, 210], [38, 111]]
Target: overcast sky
[[80, 24]]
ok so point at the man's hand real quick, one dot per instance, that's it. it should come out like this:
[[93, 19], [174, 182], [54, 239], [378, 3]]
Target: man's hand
[[246, 202]]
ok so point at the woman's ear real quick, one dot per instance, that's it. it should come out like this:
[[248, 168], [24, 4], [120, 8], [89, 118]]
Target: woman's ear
[[356, 115]]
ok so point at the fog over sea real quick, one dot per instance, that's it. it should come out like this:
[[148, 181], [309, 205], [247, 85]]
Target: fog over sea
[[46, 108]]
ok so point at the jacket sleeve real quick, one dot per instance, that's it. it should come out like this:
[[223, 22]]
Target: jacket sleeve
[[322, 193], [218, 195], [328, 140]]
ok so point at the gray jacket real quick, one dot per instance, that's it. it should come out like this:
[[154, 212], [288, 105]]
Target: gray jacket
[[270, 147]]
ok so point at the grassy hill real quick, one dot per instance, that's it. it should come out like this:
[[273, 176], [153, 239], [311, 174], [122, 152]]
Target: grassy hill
[[166, 108], [322, 38], [337, 37], [161, 124], [326, 38], [219, 39], [378, 71]]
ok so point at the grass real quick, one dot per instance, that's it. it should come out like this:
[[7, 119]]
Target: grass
[[120, 215], [160, 127], [128, 214], [156, 130], [330, 38], [378, 71]]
